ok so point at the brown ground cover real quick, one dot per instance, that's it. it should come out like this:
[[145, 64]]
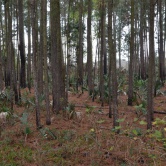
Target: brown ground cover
[[84, 136]]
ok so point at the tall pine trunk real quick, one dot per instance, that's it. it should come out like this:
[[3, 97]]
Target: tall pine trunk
[[131, 68], [22, 44], [89, 48], [151, 68]]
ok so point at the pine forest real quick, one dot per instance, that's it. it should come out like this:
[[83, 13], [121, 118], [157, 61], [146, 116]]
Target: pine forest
[[82, 82]]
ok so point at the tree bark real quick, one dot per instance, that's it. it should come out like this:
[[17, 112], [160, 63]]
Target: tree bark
[[44, 50], [130, 90], [58, 71], [151, 68], [102, 24], [29, 50], [34, 63], [80, 47], [142, 59], [161, 49], [112, 73], [89, 48], [22, 44]]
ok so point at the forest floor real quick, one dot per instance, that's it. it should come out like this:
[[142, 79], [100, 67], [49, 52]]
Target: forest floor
[[84, 137]]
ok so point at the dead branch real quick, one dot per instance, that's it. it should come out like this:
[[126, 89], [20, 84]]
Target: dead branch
[[159, 112]]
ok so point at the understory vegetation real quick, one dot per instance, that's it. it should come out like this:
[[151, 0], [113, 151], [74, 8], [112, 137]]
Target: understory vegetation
[[82, 83], [82, 134]]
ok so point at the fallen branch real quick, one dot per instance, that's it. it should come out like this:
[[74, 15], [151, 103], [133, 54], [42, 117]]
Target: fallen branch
[[159, 112], [84, 106]]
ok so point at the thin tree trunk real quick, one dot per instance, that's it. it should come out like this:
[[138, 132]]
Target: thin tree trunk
[[41, 54], [161, 49], [142, 59], [130, 91], [89, 48], [29, 50], [44, 50], [22, 44], [151, 69], [80, 47], [102, 23], [1, 66], [113, 75]]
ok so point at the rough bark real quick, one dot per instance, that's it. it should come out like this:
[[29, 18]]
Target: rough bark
[[161, 45], [44, 50], [58, 72], [112, 73], [89, 48], [21, 44], [29, 50], [102, 24], [130, 89], [80, 46], [142, 59], [41, 54], [34, 63], [151, 68], [1, 66]]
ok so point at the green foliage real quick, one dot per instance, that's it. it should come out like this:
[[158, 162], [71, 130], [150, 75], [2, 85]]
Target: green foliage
[[140, 90], [116, 129], [95, 92], [5, 109], [24, 121], [15, 154], [137, 131], [157, 134], [121, 120], [142, 122], [159, 122], [5, 98], [28, 102], [122, 82], [90, 136], [48, 134], [89, 109], [70, 111], [72, 83], [100, 121], [141, 109], [65, 135], [158, 86]]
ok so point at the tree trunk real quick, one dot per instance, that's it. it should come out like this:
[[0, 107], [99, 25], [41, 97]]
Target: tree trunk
[[58, 72], [44, 50], [161, 49], [21, 44], [89, 48], [29, 50], [113, 75], [130, 91], [80, 46], [34, 63], [102, 24], [151, 69], [68, 51], [142, 59], [41, 53], [1, 66]]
